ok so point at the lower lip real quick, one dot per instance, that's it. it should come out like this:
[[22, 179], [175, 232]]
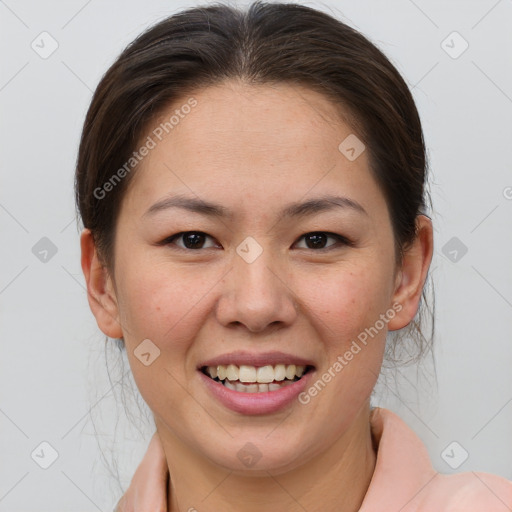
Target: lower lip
[[256, 403]]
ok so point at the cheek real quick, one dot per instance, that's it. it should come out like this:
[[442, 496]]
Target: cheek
[[168, 304], [347, 301], [155, 302], [156, 306]]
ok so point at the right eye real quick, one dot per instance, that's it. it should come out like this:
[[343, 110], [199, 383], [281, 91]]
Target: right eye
[[192, 240]]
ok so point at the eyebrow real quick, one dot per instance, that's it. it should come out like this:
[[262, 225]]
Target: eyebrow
[[293, 210]]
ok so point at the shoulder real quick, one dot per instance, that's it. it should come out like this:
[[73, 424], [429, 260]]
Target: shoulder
[[466, 492], [405, 480]]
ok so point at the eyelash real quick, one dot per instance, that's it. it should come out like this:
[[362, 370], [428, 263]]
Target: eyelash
[[341, 240]]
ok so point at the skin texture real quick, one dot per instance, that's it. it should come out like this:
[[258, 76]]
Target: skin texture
[[254, 150]]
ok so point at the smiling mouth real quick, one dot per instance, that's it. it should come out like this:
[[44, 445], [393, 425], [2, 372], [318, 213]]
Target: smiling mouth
[[252, 379]]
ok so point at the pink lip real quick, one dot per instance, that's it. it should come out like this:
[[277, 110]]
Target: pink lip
[[241, 357], [256, 403]]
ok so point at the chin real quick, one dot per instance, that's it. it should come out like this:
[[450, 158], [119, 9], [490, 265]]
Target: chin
[[255, 455]]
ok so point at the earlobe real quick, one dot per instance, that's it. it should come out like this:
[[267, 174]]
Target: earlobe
[[413, 273], [100, 292]]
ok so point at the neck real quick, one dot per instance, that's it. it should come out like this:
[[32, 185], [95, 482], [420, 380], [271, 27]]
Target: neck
[[335, 480]]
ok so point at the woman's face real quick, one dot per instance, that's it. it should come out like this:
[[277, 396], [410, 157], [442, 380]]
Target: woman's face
[[266, 281]]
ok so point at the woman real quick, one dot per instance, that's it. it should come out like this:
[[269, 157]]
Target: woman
[[252, 188]]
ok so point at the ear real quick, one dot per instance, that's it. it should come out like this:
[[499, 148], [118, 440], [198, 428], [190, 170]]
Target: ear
[[100, 289], [412, 274]]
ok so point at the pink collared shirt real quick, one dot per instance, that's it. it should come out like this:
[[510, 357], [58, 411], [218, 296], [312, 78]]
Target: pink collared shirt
[[405, 481]]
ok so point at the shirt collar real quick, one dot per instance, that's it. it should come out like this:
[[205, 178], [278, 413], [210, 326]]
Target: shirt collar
[[403, 466]]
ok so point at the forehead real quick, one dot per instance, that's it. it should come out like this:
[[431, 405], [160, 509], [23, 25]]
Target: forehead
[[274, 139], [279, 118]]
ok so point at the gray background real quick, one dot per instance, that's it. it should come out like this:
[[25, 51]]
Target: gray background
[[54, 384]]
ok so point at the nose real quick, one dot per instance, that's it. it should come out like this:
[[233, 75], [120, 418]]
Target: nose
[[257, 295]]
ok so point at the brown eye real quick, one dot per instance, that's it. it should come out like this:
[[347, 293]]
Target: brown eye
[[190, 240], [318, 239]]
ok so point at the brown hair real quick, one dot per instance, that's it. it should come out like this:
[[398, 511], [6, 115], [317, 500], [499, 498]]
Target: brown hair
[[267, 43]]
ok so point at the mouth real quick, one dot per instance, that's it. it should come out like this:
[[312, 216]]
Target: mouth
[[256, 379]]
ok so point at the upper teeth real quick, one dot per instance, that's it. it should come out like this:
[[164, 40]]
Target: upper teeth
[[263, 374]]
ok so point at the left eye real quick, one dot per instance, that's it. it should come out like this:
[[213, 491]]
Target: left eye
[[317, 239]]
